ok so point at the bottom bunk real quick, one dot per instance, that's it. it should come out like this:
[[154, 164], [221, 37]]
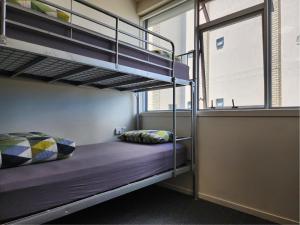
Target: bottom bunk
[[94, 174]]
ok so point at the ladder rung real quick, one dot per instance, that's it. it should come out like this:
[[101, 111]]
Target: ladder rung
[[184, 139]]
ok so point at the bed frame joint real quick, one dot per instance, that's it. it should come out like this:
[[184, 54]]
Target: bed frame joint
[[3, 40]]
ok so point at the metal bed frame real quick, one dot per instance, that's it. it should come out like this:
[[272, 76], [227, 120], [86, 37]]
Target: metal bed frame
[[115, 75]]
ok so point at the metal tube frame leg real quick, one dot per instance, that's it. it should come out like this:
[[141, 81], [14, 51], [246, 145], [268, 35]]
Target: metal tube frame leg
[[3, 22], [117, 43], [196, 73], [193, 135], [137, 110], [174, 128]]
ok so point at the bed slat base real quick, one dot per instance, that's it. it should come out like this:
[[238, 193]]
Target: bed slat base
[[15, 63]]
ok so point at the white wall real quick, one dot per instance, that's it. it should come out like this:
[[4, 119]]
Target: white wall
[[125, 8], [87, 115], [247, 160]]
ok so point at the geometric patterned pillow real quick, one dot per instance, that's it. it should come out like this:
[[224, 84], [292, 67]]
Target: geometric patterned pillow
[[14, 151], [131, 136], [147, 136], [24, 3], [65, 147], [43, 8], [166, 54], [27, 148], [43, 147], [63, 16]]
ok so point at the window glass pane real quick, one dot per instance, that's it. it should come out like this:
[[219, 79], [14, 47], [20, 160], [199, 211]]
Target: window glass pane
[[163, 99], [286, 53], [220, 8], [183, 38], [234, 64]]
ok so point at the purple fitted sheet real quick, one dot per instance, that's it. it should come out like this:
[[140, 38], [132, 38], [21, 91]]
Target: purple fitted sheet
[[92, 169]]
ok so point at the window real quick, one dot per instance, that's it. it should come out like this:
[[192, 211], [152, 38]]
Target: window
[[217, 9], [233, 56], [232, 71], [162, 99], [234, 64], [286, 53], [183, 37]]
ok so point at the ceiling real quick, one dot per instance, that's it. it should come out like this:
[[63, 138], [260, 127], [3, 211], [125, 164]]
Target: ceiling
[[146, 6]]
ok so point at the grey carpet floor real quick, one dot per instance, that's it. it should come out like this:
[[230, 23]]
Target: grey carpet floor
[[157, 205]]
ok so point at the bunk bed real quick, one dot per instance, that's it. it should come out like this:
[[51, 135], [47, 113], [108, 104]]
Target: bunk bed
[[37, 46], [47, 49]]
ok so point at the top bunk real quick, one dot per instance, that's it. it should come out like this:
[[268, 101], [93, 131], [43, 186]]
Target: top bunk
[[44, 41]]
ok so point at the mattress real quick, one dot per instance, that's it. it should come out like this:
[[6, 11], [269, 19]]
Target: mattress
[[91, 170]]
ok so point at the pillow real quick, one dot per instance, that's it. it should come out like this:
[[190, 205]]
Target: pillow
[[43, 8], [27, 148], [147, 136], [14, 151], [166, 54], [61, 15], [24, 3], [65, 147]]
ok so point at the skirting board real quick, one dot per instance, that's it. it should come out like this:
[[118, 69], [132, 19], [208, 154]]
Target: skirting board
[[232, 205], [173, 187]]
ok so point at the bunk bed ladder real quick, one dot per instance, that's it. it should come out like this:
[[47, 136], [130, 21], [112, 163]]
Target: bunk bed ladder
[[193, 121], [193, 131]]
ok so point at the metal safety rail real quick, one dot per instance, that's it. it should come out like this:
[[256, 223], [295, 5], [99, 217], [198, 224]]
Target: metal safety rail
[[115, 28], [134, 83]]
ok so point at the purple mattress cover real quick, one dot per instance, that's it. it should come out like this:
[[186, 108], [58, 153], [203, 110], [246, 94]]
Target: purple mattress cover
[[92, 169]]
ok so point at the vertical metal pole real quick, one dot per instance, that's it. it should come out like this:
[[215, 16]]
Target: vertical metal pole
[[192, 131], [267, 34], [196, 44], [196, 99], [174, 113], [194, 138], [146, 35], [71, 20], [203, 75], [117, 42], [174, 127], [3, 22], [137, 110]]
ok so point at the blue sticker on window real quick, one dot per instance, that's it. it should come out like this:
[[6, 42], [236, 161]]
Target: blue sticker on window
[[220, 43], [220, 102]]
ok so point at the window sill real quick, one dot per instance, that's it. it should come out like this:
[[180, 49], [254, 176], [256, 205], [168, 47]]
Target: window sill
[[284, 112]]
